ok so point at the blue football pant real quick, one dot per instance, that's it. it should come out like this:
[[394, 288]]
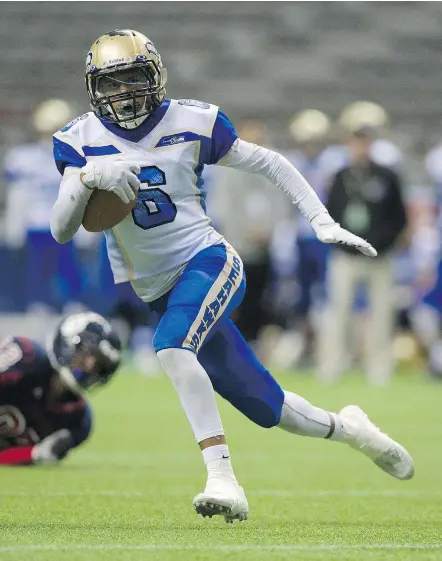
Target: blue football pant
[[194, 316]]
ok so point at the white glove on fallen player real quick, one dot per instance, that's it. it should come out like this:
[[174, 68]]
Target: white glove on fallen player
[[52, 448], [329, 231], [114, 176]]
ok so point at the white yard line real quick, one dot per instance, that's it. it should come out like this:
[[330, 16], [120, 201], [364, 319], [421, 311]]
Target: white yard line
[[225, 548], [412, 493]]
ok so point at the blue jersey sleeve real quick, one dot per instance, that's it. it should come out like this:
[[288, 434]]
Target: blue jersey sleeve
[[223, 136], [66, 155]]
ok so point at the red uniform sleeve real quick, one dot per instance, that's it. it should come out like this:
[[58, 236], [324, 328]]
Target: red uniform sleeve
[[20, 456]]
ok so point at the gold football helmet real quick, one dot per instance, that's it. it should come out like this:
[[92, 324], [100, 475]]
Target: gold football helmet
[[125, 78], [50, 115], [310, 125], [363, 114]]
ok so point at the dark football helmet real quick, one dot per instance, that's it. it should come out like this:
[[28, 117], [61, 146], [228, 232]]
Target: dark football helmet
[[84, 350]]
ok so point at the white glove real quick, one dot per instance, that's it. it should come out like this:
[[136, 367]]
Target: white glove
[[114, 176], [329, 231], [52, 448]]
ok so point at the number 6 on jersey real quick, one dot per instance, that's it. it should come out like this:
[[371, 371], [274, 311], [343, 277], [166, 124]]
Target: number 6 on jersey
[[153, 207]]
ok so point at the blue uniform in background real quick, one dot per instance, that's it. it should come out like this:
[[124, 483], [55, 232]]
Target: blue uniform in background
[[50, 271], [311, 258], [434, 168]]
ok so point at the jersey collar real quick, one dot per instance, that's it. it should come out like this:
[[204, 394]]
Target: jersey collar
[[135, 135]]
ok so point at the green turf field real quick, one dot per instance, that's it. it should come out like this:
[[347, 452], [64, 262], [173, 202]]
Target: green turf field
[[127, 494]]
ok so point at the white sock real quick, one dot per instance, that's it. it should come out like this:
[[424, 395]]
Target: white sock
[[194, 390], [300, 417], [217, 460]]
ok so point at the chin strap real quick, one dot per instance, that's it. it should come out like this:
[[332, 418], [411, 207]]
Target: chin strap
[[134, 123]]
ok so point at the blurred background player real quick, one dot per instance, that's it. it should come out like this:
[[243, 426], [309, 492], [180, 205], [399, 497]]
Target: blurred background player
[[52, 278], [63, 278], [384, 151], [43, 414], [246, 209], [426, 316], [309, 130], [366, 198]]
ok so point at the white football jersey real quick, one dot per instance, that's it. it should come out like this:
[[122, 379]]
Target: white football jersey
[[169, 224]]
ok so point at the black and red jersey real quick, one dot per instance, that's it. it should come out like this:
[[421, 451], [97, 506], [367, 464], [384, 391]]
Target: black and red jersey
[[30, 409]]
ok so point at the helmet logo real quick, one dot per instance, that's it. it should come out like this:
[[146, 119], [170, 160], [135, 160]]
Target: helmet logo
[[88, 61], [150, 47], [116, 61]]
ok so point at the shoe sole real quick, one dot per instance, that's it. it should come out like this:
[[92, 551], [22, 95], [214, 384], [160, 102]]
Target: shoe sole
[[209, 508], [405, 474]]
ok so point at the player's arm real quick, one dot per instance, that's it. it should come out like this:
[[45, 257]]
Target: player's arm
[[78, 183], [278, 170], [19, 358], [57, 445], [50, 450], [67, 213]]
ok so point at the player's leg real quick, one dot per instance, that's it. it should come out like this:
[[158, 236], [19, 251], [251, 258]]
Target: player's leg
[[343, 273], [211, 285], [379, 332], [239, 377]]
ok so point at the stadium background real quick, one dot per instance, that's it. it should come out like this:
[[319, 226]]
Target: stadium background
[[266, 63]]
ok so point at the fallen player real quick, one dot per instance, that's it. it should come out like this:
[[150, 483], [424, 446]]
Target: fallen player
[[43, 413]]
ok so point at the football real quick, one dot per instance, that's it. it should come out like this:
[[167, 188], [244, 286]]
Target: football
[[104, 211]]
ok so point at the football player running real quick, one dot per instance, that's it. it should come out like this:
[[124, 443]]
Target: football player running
[[141, 145], [43, 414]]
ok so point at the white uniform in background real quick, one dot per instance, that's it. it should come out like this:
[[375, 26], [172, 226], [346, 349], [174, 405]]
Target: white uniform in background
[[33, 183], [32, 188]]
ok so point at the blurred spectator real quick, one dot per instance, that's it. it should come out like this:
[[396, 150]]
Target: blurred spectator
[[353, 117], [365, 198], [433, 163], [246, 208], [52, 278], [427, 313], [366, 113]]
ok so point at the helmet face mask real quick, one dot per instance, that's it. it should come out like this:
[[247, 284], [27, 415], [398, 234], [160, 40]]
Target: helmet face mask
[[125, 78]]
